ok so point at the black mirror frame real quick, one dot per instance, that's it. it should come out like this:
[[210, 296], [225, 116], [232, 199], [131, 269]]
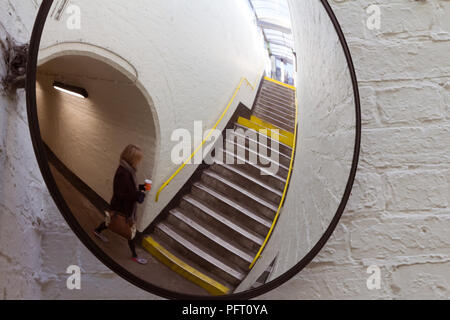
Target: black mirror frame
[[42, 159]]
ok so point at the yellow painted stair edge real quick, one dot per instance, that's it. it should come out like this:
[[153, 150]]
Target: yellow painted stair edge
[[270, 126], [183, 269], [257, 127], [281, 83]]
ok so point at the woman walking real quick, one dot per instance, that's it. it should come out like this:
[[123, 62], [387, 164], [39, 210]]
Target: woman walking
[[126, 194]]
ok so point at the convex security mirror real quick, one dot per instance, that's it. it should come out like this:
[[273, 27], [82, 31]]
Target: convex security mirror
[[197, 148]]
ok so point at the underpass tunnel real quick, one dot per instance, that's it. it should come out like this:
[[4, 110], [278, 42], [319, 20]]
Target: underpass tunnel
[[87, 135]]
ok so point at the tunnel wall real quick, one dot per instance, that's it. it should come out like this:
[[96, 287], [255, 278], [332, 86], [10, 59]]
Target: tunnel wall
[[391, 221], [189, 57], [326, 134]]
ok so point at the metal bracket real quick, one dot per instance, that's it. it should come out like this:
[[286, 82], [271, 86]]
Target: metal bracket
[[15, 58]]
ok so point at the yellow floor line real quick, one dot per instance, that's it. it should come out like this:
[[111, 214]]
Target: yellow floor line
[[183, 269], [270, 126], [280, 83], [289, 141]]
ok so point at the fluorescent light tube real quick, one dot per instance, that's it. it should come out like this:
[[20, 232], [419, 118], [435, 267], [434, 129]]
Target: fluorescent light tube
[[72, 90]]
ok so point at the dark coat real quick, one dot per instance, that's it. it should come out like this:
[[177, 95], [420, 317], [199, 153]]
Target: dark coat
[[126, 193]]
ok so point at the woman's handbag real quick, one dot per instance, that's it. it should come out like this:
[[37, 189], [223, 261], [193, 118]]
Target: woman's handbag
[[119, 224]]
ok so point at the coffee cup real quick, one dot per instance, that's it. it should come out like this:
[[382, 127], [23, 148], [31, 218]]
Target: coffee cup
[[148, 185]]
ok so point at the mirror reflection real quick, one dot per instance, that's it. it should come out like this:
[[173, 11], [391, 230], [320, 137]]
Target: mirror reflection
[[204, 146]]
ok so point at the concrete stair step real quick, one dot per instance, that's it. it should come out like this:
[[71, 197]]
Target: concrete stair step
[[279, 91], [210, 238], [223, 224], [239, 194], [286, 99], [271, 126], [253, 169], [268, 80], [256, 157], [287, 139], [274, 111], [277, 104], [273, 144], [285, 125], [278, 87], [203, 258], [282, 112], [277, 95], [259, 187], [238, 213], [251, 141]]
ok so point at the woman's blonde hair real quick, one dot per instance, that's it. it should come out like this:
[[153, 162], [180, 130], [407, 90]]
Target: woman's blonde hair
[[132, 154]]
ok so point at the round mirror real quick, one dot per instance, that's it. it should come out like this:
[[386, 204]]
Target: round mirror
[[197, 148]]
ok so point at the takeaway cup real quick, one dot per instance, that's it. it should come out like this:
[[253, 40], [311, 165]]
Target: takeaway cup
[[148, 185]]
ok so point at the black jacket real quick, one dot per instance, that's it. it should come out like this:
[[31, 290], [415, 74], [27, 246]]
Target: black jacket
[[126, 193]]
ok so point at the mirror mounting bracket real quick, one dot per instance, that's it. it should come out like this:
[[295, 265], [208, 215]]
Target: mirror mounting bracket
[[15, 58]]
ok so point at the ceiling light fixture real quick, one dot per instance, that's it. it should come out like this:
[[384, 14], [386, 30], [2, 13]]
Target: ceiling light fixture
[[69, 89]]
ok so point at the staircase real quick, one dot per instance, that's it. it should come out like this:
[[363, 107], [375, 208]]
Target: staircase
[[213, 234]]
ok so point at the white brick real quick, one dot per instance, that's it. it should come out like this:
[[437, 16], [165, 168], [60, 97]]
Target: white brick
[[422, 281], [64, 247], [399, 18], [406, 146], [396, 61], [417, 190], [367, 194], [369, 112], [384, 236], [410, 104]]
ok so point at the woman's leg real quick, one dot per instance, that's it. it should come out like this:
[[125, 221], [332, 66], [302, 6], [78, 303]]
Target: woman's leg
[[132, 246], [97, 232], [101, 228]]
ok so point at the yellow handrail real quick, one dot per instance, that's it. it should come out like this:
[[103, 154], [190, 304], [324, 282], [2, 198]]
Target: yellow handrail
[[287, 180], [165, 184]]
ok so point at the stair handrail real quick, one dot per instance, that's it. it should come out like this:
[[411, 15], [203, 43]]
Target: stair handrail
[[258, 255], [166, 183]]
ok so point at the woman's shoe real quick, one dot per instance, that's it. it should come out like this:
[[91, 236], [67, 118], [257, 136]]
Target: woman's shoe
[[139, 260], [100, 236]]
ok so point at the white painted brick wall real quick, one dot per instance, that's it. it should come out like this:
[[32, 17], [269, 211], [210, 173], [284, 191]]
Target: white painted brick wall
[[397, 217]]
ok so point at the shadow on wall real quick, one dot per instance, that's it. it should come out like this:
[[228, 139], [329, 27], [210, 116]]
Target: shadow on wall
[[88, 135]]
